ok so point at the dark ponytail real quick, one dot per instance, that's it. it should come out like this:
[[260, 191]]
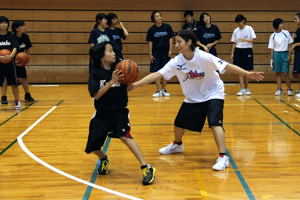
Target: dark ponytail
[[99, 17]]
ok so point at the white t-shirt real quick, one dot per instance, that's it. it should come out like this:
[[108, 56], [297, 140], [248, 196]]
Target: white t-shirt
[[247, 32], [198, 77], [280, 41]]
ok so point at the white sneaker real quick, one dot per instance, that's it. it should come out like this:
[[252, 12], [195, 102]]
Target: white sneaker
[[278, 92], [290, 92], [157, 94], [221, 163], [247, 91], [17, 105], [165, 93], [241, 92], [172, 148], [297, 95]]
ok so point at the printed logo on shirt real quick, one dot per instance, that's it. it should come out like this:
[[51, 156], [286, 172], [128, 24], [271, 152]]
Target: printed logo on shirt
[[221, 62], [116, 37], [103, 83], [246, 36], [194, 75], [180, 67], [102, 38], [22, 46], [6, 43], [160, 34], [208, 35]]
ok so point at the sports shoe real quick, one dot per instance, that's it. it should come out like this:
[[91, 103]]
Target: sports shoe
[[221, 163], [172, 148], [279, 92], [4, 100], [157, 94], [290, 92], [103, 168], [148, 174], [165, 93], [241, 92], [17, 104], [247, 91], [297, 95], [28, 97]]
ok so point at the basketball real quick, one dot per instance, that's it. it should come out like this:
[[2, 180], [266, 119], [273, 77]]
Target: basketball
[[5, 52], [130, 71], [22, 59]]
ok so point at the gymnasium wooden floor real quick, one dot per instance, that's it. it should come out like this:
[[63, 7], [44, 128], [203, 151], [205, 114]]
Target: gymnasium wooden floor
[[263, 142]]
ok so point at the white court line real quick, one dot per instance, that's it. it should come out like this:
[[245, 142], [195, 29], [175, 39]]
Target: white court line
[[45, 85], [34, 157]]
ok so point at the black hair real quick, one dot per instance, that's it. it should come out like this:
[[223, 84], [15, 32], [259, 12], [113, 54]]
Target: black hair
[[97, 52], [298, 14], [99, 17], [240, 18], [188, 12], [187, 35], [16, 24], [201, 18], [110, 17], [153, 14], [277, 22], [4, 19]]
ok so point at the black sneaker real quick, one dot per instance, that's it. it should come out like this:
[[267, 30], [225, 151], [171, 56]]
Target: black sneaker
[[103, 168], [28, 97], [4, 100], [148, 174]]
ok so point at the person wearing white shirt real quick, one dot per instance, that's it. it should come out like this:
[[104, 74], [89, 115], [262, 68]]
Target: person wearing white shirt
[[280, 57], [242, 50], [203, 90]]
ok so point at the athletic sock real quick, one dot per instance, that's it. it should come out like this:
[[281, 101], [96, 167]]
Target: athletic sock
[[179, 143], [222, 154]]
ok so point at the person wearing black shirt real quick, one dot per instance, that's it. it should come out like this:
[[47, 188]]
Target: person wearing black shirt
[[117, 34], [296, 48], [208, 34], [24, 44], [99, 33], [190, 23], [111, 117], [8, 71], [160, 38]]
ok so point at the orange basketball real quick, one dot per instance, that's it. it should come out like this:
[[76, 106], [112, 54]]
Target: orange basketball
[[130, 71], [4, 52], [22, 59]]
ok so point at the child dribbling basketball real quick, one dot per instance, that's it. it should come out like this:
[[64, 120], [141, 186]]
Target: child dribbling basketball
[[111, 117]]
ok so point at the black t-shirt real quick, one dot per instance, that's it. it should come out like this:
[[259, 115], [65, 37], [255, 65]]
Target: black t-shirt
[[297, 39], [23, 42], [191, 27], [115, 98], [8, 41], [208, 35], [117, 35], [97, 36], [159, 36]]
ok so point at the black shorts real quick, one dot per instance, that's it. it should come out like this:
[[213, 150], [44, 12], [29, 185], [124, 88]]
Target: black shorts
[[114, 124], [192, 116], [21, 72], [8, 71], [161, 58], [243, 58], [297, 63]]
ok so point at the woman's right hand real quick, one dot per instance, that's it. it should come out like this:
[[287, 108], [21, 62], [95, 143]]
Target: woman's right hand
[[152, 59], [117, 76], [271, 63], [206, 49]]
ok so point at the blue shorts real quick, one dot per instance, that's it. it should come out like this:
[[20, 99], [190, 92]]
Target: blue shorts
[[280, 61]]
